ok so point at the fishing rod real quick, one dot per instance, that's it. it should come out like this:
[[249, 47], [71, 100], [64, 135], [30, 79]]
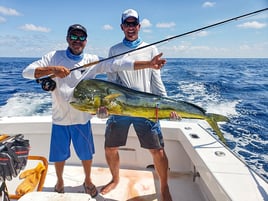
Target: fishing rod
[[46, 79]]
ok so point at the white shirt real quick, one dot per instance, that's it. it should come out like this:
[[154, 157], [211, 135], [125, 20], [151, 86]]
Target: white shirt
[[62, 112], [146, 80]]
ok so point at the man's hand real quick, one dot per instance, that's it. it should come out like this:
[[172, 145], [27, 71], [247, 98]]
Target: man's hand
[[174, 116], [157, 62], [102, 112], [60, 71], [52, 71]]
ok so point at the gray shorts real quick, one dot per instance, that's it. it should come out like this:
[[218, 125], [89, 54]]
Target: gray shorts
[[148, 132]]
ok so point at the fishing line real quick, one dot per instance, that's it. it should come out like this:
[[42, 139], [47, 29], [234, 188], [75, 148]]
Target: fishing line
[[46, 79], [173, 37]]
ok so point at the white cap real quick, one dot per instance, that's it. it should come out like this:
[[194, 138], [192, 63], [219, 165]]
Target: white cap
[[129, 13]]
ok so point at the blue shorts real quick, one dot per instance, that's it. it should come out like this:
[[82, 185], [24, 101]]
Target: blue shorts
[[81, 137], [148, 132]]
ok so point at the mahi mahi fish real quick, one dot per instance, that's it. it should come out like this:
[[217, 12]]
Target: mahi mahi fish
[[92, 94]]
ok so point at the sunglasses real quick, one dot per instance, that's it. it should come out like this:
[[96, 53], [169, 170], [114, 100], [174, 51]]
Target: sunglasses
[[75, 37], [131, 24]]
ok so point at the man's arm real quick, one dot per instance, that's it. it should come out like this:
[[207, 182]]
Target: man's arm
[[60, 71], [156, 63]]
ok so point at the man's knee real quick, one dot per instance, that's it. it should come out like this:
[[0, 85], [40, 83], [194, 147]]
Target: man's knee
[[111, 150], [157, 152]]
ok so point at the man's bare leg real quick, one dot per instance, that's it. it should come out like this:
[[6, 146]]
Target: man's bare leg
[[89, 187], [87, 169], [59, 166], [112, 158], [161, 166]]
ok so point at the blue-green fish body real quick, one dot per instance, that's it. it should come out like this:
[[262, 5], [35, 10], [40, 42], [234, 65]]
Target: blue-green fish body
[[92, 94]]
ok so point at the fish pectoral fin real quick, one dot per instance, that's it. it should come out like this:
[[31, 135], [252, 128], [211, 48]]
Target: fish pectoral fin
[[111, 97]]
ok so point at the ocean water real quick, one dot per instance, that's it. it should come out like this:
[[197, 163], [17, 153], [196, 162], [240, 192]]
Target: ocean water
[[237, 88]]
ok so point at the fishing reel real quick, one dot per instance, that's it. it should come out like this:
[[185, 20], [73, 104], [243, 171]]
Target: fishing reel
[[47, 83]]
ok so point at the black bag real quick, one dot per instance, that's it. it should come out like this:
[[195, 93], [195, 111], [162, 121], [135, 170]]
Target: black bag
[[14, 153]]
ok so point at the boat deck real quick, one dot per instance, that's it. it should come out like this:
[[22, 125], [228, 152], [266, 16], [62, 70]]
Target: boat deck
[[135, 185]]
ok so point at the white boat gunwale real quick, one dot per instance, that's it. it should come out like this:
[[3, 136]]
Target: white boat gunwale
[[215, 168]]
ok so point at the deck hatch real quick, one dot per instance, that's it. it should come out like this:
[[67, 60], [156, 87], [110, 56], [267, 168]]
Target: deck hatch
[[194, 136], [219, 153]]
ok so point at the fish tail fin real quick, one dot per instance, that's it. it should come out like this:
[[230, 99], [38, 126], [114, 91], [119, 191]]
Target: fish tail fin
[[212, 121], [218, 117]]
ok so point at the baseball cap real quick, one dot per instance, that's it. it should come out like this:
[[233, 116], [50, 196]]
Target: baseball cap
[[76, 27], [129, 13]]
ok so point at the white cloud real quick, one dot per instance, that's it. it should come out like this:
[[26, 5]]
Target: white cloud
[[145, 23], [2, 20], [200, 48], [32, 27], [107, 27], [187, 49], [253, 25], [8, 11], [165, 25], [244, 47], [147, 30], [201, 33], [255, 47], [208, 4], [190, 47]]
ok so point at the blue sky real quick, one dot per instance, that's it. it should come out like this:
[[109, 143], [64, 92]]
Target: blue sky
[[31, 28]]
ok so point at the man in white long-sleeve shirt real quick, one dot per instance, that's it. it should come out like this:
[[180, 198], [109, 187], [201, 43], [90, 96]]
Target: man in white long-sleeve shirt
[[69, 124], [146, 80]]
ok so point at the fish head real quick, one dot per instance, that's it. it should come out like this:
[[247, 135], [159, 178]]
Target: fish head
[[87, 104], [93, 101]]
